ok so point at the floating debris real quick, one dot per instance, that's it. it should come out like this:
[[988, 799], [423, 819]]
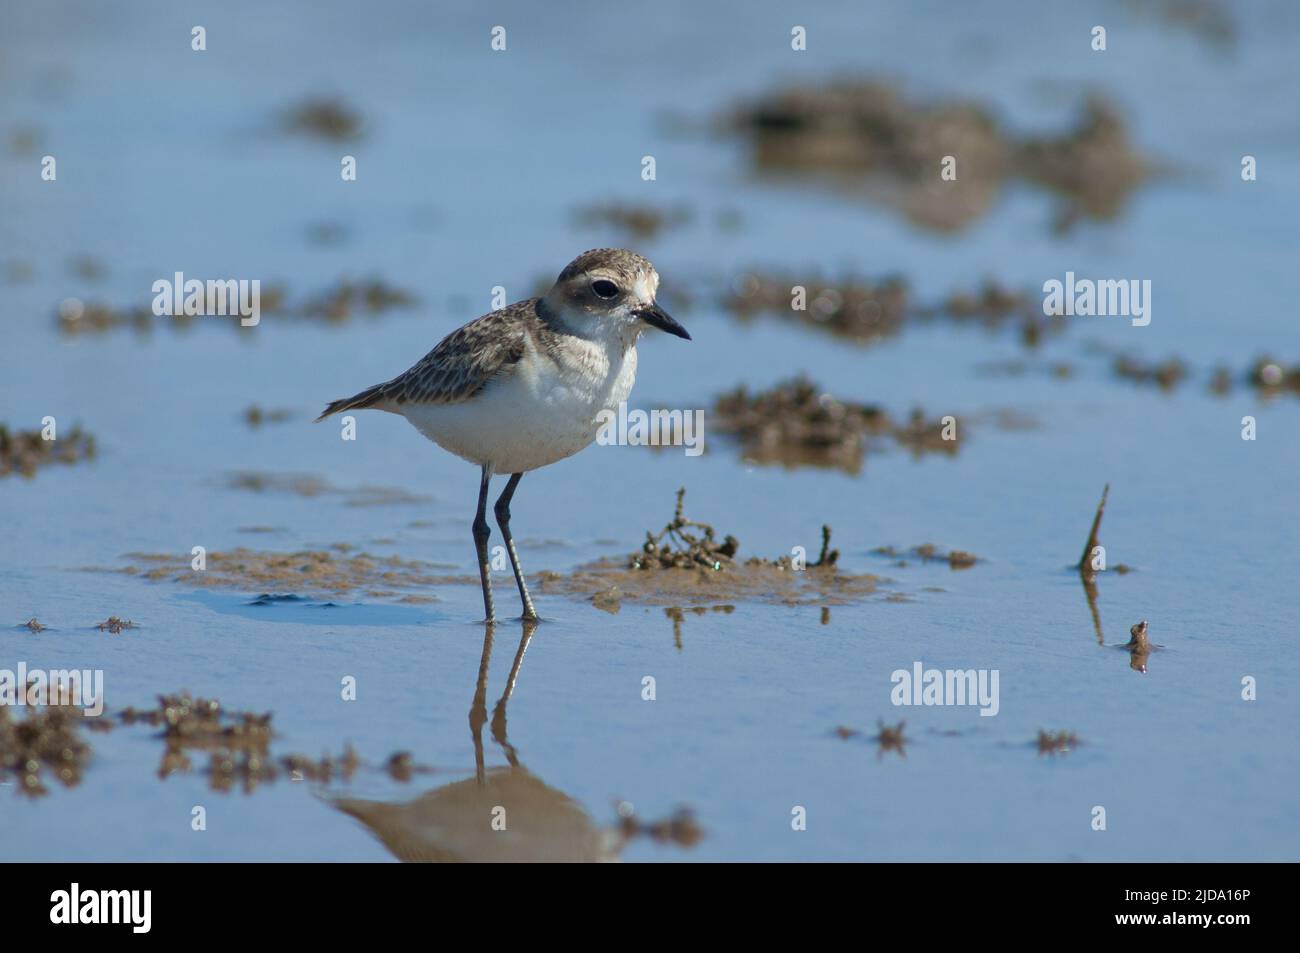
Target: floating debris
[[328, 119], [890, 738], [887, 736], [401, 766], [922, 436], [1208, 20], [238, 743], [255, 416], [115, 625], [994, 305], [1267, 376], [248, 769], [863, 136], [334, 305], [928, 552], [1140, 647], [1272, 377], [324, 769], [1093, 167], [1058, 742], [637, 220], [852, 307], [46, 740], [867, 311], [1057, 370], [992, 302], [26, 451], [1221, 381], [347, 298], [202, 722], [254, 767], [796, 423], [74, 317], [1166, 374], [679, 828]]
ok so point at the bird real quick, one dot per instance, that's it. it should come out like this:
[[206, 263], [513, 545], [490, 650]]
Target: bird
[[527, 385]]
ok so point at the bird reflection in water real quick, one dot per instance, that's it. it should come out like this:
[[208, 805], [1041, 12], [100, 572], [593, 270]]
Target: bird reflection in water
[[502, 814]]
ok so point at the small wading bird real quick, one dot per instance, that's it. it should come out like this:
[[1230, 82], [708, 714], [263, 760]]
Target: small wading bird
[[525, 386]]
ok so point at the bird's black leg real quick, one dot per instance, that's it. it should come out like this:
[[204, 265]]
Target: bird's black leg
[[481, 533], [502, 510], [499, 713]]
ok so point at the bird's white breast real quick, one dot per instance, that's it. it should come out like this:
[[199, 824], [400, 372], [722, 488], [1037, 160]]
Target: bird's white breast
[[542, 409]]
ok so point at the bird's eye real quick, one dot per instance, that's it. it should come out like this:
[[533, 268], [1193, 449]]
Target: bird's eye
[[604, 288]]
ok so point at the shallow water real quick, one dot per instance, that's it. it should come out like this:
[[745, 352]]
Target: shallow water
[[469, 175]]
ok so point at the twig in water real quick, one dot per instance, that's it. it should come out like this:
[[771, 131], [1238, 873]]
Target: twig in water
[[1085, 561]]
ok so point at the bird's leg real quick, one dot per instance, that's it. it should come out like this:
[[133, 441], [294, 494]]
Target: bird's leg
[[478, 708], [499, 713], [502, 510], [481, 534]]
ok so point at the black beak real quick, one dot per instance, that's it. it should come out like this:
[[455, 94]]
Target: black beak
[[657, 317]]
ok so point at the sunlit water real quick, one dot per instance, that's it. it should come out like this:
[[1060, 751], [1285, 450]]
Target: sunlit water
[[170, 160]]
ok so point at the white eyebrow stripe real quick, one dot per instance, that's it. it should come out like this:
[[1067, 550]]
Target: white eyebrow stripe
[[647, 285]]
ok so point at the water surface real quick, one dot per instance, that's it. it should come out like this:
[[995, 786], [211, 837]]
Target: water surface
[[469, 176]]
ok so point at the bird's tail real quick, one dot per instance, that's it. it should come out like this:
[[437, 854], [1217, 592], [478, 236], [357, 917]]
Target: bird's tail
[[369, 397]]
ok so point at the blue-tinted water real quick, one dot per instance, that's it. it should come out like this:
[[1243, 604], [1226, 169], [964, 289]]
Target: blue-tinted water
[[469, 177]]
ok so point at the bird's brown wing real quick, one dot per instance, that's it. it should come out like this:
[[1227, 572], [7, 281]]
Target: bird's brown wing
[[458, 368]]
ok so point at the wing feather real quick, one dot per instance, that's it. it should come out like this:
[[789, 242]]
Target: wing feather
[[462, 364], [466, 360]]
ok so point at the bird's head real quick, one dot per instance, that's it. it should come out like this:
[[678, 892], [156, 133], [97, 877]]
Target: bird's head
[[611, 289]]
